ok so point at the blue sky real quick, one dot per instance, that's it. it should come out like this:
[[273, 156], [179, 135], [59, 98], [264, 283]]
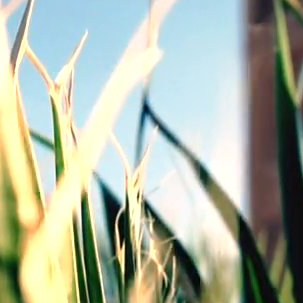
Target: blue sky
[[198, 88]]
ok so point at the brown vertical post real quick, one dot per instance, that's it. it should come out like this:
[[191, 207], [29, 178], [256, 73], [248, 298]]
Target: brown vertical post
[[264, 179]]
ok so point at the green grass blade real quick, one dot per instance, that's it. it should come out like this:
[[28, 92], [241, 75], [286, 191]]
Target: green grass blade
[[43, 140], [286, 288], [16, 56], [79, 266], [68, 256], [10, 237], [256, 293], [81, 271], [232, 218], [20, 211], [91, 256], [284, 64], [58, 139], [289, 158]]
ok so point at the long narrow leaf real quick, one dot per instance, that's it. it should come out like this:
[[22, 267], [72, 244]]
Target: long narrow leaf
[[16, 57], [91, 257], [19, 211], [291, 180], [232, 218], [20, 43], [80, 266]]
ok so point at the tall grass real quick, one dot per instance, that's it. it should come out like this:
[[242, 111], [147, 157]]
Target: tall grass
[[49, 252]]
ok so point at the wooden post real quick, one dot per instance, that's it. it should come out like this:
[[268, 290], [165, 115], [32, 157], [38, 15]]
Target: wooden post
[[264, 179]]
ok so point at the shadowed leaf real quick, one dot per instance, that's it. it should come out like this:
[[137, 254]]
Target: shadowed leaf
[[289, 158], [231, 216]]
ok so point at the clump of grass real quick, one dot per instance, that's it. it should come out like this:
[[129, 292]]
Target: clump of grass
[[49, 252]]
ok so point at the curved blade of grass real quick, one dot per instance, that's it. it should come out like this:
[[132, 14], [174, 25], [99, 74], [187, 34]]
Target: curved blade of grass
[[19, 213], [16, 57], [20, 43], [289, 158], [277, 266], [64, 74], [152, 36], [232, 218], [70, 256], [286, 293]]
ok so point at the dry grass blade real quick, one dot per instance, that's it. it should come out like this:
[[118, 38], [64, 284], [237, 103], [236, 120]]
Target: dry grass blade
[[13, 147], [39, 66], [154, 20], [16, 56], [133, 219], [20, 43], [230, 214], [64, 75], [17, 190]]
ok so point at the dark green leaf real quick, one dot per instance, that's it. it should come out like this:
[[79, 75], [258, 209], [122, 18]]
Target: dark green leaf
[[231, 216], [288, 152], [91, 256]]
